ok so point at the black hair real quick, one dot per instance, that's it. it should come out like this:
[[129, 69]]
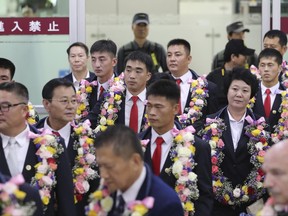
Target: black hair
[[164, 88], [141, 57], [104, 46], [123, 140], [277, 33], [78, 44], [180, 41], [245, 75], [17, 88], [49, 87], [269, 53], [7, 64]]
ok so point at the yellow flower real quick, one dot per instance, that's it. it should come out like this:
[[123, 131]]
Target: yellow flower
[[215, 138], [189, 206], [88, 89], [226, 197], [97, 195], [51, 149], [92, 213], [178, 138], [116, 79], [103, 127], [255, 132], [260, 159], [110, 122], [117, 97], [245, 189], [20, 194], [38, 139], [78, 111], [199, 91], [45, 200], [81, 106], [78, 130], [194, 83], [79, 171], [141, 209], [192, 148], [39, 175], [89, 141], [31, 121], [217, 183]]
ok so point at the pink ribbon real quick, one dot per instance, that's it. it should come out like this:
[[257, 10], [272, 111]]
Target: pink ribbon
[[253, 122]]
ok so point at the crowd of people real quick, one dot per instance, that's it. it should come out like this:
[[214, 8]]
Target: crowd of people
[[143, 134]]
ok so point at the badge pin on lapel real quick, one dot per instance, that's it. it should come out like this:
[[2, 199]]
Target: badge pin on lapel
[[28, 167]]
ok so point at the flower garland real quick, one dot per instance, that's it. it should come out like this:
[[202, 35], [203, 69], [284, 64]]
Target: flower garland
[[85, 161], [12, 199], [48, 151], [199, 95], [252, 188], [182, 155], [284, 74], [111, 105], [32, 116], [101, 204], [83, 94], [281, 129]]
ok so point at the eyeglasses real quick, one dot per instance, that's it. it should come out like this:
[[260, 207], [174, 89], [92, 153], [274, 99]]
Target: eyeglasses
[[5, 107], [65, 102]]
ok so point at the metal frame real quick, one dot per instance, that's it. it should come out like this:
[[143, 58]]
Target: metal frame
[[77, 21]]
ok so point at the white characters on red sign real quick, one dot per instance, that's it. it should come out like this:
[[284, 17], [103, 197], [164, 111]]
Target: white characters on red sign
[[53, 26], [34, 26], [16, 27]]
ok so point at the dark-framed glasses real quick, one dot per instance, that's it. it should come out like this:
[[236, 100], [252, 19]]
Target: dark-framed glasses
[[5, 107]]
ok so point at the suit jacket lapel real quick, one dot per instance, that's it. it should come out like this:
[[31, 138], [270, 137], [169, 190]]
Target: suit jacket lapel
[[30, 161], [121, 113], [3, 163]]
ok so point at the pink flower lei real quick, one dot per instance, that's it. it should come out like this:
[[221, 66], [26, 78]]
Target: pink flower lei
[[48, 151], [253, 188], [12, 198], [82, 170], [101, 203], [199, 94], [111, 105], [182, 154], [83, 94]]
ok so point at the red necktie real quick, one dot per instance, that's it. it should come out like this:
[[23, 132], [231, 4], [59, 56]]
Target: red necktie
[[133, 123], [101, 91], [156, 159], [56, 133], [178, 81], [267, 103]]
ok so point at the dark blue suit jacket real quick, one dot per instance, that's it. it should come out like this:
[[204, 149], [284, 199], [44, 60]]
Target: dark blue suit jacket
[[275, 115], [236, 165], [204, 204], [32, 194], [64, 186], [70, 78], [72, 154], [166, 201]]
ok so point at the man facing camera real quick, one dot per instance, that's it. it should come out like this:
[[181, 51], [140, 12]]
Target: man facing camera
[[120, 159]]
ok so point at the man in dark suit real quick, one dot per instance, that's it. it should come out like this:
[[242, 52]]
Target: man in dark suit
[[233, 166], [162, 105], [197, 98], [31, 194], [59, 100], [16, 143], [133, 94], [270, 61], [78, 56], [120, 159]]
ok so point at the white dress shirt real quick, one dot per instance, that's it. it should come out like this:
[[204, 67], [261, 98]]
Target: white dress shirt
[[236, 129], [168, 140], [76, 83], [274, 91], [140, 105], [105, 86], [64, 132], [23, 141], [185, 88]]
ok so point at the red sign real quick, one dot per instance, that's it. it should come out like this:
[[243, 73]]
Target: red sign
[[34, 25]]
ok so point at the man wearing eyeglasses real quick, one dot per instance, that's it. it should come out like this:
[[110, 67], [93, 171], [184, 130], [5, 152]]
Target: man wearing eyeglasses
[[19, 154], [60, 102]]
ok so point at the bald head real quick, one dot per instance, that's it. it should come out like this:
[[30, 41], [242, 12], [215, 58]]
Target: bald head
[[276, 168]]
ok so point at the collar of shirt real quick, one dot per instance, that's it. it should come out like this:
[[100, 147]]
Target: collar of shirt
[[76, 81], [167, 137], [131, 193], [141, 96], [21, 138], [233, 120], [274, 89], [64, 132], [185, 77], [105, 84]]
